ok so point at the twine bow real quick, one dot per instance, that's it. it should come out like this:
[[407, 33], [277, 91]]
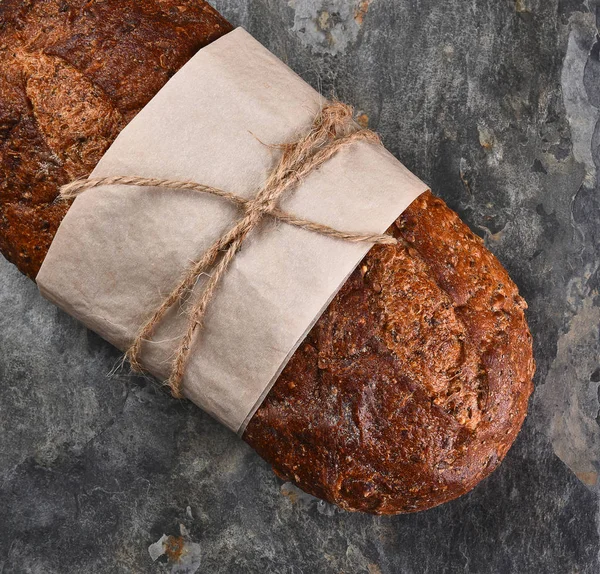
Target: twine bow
[[332, 130]]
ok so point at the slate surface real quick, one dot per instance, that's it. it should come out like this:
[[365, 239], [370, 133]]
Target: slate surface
[[496, 104]]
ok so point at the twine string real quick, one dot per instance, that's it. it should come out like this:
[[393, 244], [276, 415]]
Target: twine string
[[332, 130]]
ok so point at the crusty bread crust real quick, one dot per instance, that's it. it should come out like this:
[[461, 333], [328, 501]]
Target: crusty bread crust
[[413, 384], [72, 75]]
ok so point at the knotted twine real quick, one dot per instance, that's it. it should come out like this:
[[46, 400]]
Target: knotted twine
[[333, 129]]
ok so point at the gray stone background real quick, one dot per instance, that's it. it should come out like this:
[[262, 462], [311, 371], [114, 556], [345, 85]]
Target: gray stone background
[[496, 104]]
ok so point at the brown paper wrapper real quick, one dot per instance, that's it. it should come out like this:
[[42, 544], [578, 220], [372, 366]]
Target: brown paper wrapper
[[121, 250]]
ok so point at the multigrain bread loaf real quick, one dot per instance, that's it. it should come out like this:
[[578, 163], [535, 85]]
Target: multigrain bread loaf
[[413, 384]]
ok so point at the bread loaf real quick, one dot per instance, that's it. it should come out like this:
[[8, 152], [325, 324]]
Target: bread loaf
[[412, 385]]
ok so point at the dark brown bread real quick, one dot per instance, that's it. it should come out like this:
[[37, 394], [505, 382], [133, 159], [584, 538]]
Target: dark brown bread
[[72, 75], [413, 384]]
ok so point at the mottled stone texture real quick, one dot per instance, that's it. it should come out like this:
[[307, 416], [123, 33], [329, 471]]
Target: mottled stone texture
[[495, 103]]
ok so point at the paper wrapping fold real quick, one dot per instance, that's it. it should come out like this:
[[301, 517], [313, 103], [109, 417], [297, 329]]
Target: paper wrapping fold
[[120, 251]]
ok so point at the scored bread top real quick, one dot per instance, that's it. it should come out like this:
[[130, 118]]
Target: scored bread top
[[72, 75], [414, 383]]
